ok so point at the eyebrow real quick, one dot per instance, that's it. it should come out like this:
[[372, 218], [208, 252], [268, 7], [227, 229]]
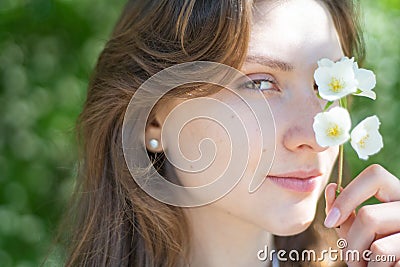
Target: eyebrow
[[269, 62]]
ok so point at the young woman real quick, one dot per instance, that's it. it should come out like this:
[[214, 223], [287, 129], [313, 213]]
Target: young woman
[[276, 44]]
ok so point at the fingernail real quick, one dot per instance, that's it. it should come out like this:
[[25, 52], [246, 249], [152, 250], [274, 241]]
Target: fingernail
[[332, 218]]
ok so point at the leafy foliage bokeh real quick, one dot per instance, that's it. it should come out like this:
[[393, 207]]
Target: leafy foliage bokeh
[[47, 51]]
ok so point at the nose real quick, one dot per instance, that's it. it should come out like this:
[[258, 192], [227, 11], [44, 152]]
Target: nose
[[299, 135]]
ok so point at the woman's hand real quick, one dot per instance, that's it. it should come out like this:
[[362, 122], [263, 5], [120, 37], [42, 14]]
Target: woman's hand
[[373, 227]]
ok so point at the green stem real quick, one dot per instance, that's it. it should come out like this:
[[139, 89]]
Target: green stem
[[340, 170], [343, 104]]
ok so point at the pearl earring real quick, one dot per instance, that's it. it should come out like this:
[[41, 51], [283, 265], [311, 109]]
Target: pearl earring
[[153, 143]]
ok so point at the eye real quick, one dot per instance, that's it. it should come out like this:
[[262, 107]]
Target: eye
[[261, 82]]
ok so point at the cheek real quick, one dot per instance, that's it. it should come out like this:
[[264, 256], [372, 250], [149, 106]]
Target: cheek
[[221, 149], [201, 153], [206, 149], [330, 156]]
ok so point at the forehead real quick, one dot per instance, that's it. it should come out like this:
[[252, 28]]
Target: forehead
[[293, 30]]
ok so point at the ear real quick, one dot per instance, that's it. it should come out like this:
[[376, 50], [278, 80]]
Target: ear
[[153, 132]]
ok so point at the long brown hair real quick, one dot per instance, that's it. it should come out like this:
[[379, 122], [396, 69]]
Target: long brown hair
[[114, 222]]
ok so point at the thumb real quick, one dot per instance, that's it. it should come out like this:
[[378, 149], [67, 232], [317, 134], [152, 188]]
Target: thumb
[[330, 195]]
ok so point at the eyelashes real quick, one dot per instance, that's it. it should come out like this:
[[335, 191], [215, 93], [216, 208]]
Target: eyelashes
[[263, 82], [266, 83]]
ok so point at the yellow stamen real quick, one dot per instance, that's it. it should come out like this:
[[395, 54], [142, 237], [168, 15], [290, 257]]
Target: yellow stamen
[[336, 85], [362, 141], [333, 131]]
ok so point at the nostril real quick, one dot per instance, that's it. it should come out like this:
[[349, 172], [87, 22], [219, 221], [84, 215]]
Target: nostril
[[302, 138], [304, 146], [314, 147]]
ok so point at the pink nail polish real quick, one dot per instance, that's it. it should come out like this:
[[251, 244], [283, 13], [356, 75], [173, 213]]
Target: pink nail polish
[[332, 218]]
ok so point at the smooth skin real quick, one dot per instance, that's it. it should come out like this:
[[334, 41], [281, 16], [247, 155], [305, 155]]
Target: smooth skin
[[373, 227], [284, 48]]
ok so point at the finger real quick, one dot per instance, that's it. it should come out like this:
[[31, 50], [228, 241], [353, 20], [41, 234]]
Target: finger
[[385, 251], [330, 196], [373, 181], [372, 222], [344, 228]]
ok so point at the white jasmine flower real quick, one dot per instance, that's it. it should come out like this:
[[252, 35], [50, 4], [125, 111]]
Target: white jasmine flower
[[365, 137], [332, 127], [336, 79], [366, 81]]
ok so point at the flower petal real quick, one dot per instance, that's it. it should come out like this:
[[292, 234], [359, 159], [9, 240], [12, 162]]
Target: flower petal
[[366, 79], [370, 94], [346, 59], [332, 128], [335, 80], [372, 123], [325, 62], [366, 139], [322, 76], [371, 144]]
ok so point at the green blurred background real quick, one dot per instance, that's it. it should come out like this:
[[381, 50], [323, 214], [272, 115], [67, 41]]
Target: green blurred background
[[47, 51]]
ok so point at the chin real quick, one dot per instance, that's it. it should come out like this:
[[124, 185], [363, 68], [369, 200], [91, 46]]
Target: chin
[[293, 225], [292, 230]]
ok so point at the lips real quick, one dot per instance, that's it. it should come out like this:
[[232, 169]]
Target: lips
[[299, 181]]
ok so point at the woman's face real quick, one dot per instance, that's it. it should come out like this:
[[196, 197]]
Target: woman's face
[[287, 40]]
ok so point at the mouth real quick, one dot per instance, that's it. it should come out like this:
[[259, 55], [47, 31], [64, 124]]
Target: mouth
[[298, 181]]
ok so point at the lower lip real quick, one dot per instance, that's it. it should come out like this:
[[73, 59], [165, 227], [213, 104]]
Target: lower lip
[[295, 184]]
